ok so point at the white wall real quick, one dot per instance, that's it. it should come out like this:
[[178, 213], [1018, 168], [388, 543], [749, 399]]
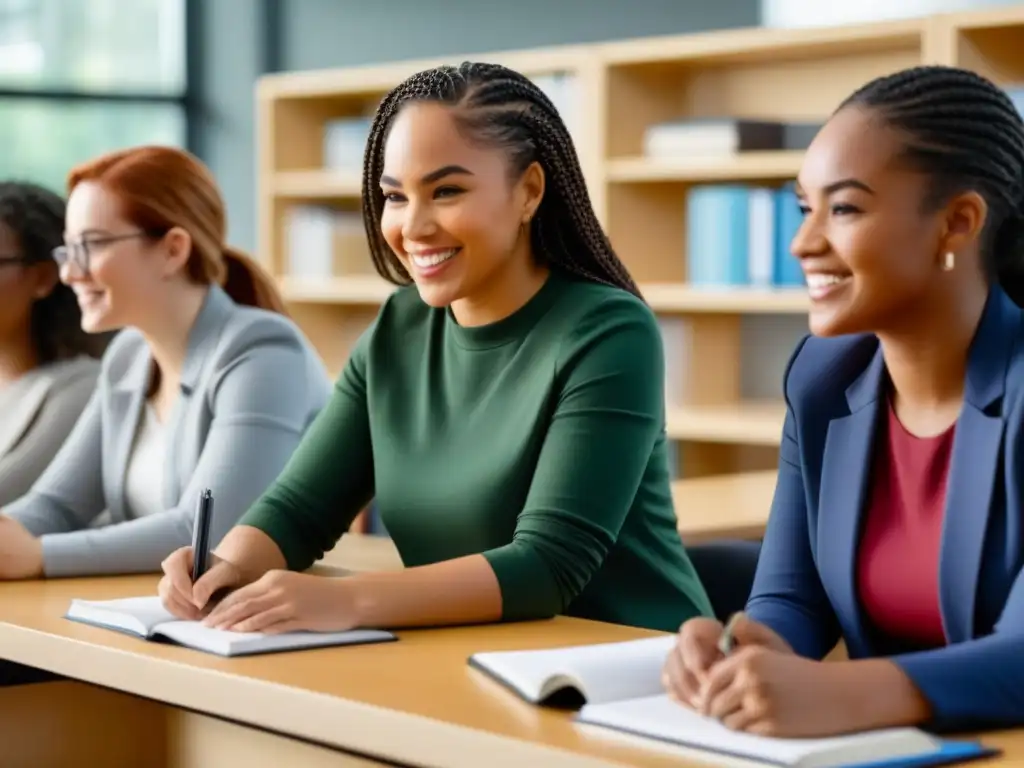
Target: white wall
[[818, 13]]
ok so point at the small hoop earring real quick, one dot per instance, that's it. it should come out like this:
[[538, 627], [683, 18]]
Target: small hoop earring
[[948, 261]]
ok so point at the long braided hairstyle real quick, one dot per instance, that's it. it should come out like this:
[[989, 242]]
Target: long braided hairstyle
[[500, 107], [35, 215], [965, 133]]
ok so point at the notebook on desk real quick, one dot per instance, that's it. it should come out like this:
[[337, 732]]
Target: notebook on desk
[[145, 617], [618, 686]]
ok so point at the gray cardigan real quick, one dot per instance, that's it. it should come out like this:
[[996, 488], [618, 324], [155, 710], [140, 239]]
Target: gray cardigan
[[250, 387], [37, 413]]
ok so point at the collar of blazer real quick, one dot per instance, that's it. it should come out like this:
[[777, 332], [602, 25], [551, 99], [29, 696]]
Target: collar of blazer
[[987, 360], [30, 393], [202, 339], [971, 483]]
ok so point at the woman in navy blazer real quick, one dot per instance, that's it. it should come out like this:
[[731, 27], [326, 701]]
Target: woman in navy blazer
[[898, 518]]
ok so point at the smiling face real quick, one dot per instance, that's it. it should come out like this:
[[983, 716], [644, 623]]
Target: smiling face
[[453, 216], [124, 276], [870, 248]]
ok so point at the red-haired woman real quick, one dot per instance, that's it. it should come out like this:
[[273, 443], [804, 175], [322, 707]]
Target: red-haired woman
[[210, 385]]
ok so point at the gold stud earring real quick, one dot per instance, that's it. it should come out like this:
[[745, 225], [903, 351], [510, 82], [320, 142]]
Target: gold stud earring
[[948, 261]]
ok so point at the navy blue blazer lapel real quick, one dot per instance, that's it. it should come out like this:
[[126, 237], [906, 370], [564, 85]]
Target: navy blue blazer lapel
[[845, 480], [974, 466]]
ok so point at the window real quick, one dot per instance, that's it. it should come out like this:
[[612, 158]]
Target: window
[[81, 78]]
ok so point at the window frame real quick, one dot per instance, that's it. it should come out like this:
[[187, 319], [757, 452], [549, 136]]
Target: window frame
[[187, 100]]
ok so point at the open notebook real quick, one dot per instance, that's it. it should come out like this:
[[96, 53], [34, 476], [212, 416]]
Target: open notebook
[[146, 617], [618, 686]]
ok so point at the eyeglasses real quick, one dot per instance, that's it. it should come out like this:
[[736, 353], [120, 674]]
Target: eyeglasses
[[78, 254]]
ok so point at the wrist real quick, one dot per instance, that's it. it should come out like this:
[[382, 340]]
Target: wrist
[[353, 600], [880, 694]]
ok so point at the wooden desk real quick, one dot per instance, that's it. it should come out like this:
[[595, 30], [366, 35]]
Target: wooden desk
[[414, 702], [723, 506]]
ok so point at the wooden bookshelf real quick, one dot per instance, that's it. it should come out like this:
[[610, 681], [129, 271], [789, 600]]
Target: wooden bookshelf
[[622, 88]]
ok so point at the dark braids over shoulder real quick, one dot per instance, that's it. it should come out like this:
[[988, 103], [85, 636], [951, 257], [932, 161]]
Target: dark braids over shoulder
[[964, 132], [36, 217], [502, 108]]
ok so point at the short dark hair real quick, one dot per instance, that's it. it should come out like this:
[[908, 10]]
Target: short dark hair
[[36, 217], [500, 107], [964, 132]]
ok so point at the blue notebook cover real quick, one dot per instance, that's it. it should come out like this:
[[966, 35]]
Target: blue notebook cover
[[950, 752]]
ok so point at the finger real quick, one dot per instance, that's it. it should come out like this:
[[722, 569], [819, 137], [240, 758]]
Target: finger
[[173, 601], [224, 616], [229, 599], [220, 576], [699, 652], [184, 596], [744, 719], [747, 631], [679, 681], [289, 625], [258, 622], [725, 702], [178, 568], [718, 678], [181, 608]]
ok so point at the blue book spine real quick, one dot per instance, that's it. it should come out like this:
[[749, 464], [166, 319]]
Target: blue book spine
[[788, 219], [718, 235]]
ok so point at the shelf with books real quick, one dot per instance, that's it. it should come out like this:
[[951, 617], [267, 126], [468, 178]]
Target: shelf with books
[[659, 122], [795, 76], [768, 166], [703, 135]]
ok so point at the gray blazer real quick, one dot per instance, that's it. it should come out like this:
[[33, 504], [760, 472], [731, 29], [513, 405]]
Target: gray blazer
[[250, 386], [37, 413]]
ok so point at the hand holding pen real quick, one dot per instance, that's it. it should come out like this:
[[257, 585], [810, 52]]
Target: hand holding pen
[[704, 642], [195, 578]]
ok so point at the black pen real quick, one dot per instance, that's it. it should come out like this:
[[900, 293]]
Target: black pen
[[201, 534]]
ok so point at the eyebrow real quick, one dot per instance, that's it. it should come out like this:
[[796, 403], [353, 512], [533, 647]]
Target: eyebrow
[[836, 186], [430, 178], [849, 183]]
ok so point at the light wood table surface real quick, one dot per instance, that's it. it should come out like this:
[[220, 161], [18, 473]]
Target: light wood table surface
[[732, 506], [414, 702]]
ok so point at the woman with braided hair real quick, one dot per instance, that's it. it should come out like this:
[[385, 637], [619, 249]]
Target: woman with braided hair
[[897, 520], [505, 409]]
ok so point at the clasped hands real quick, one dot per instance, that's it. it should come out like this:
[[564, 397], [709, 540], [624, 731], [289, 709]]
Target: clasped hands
[[278, 601], [763, 687]]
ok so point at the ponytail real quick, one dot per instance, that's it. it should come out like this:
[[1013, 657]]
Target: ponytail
[[246, 282]]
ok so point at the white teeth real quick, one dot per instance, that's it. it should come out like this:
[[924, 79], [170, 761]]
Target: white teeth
[[819, 280], [433, 259]]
